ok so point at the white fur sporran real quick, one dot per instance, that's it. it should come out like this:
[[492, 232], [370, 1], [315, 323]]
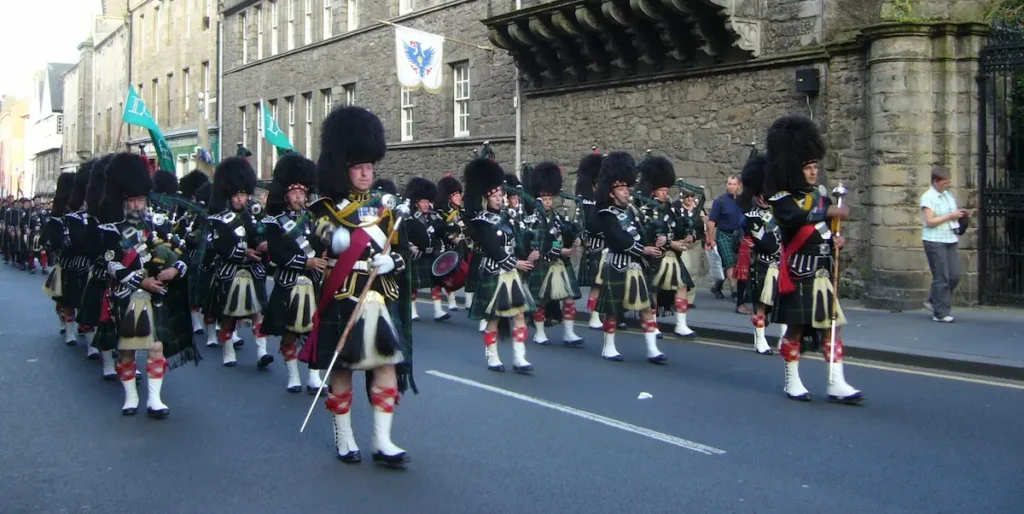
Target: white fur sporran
[[555, 285], [242, 300], [137, 328], [301, 304], [375, 317]]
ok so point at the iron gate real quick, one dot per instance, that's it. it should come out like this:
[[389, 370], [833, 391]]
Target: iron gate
[[1001, 168]]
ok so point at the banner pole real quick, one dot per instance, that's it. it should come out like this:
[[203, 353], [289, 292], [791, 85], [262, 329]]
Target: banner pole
[[474, 45]]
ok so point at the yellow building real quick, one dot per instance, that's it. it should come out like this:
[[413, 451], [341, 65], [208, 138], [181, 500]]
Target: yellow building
[[13, 117]]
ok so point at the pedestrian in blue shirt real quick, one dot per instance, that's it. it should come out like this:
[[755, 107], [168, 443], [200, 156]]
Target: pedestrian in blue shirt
[[725, 226]]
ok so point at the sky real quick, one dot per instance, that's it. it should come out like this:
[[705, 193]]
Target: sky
[[34, 32]]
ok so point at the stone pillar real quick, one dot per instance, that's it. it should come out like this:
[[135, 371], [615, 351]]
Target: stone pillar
[[922, 114]]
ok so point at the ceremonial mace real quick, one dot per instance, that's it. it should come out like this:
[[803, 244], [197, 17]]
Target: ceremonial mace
[[402, 211], [839, 193]]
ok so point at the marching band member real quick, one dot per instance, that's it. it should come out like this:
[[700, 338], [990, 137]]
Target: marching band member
[[552, 278], [760, 226], [670, 280], [189, 228], [384, 186], [54, 237], [803, 210], [424, 232], [624, 286], [449, 206], [149, 299], [354, 229], [240, 265], [501, 294], [299, 271], [590, 270], [87, 238]]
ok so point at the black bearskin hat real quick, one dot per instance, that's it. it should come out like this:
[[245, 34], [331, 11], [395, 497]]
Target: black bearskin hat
[[165, 182], [189, 184], [618, 168], [350, 135], [586, 174], [65, 187], [94, 193], [512, 181], [446, 187], [292, 170], [385, 185], [127, 176], [657, 172], [546, 180], [233, 175], [481, 176], [202, 196], [752, 179], [77, 198], [420, 188], [792, 142]]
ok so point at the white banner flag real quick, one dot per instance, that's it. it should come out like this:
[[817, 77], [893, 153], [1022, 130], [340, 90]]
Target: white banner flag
[[418, 59]]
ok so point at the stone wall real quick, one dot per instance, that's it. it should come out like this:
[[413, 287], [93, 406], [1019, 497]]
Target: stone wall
[[184, 43], [363, 60], [72, 127], [110, 87]]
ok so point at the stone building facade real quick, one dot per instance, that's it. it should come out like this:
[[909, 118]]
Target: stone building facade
[[44, 133], [174, 68], [110, 72], [694, 80], [349, 57], [78, 96]]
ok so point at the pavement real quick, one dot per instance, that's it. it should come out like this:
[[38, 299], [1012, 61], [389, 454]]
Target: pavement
[[715, 434], [982, 341]]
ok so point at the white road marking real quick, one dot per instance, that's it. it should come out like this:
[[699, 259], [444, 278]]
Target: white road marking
[[597, 418], [907, 370]]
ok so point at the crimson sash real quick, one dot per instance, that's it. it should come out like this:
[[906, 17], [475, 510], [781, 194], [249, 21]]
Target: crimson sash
[[786, 285], [342, 269]]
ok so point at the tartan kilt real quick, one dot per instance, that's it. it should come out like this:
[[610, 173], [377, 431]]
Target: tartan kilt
[[513, 295], [222, 289], [535, 282], [172, 325], [422, 276], [673, 282], [589, 268], [473, 280], [620, 287], [200, 286], [760, 281], [72, 285], [92, 302], [742, 270], [106, 337], [727, 243], [333, 320], [279, 313], [805, 306]]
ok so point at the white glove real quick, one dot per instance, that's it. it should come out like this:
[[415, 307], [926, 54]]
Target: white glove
[[383, 263], [340, 241]]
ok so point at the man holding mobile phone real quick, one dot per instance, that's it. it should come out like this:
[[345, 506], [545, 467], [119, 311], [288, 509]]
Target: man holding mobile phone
[[943, 225]]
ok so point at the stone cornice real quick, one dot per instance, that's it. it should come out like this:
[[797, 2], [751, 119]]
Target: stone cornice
[[929, 29], [450, 142], [803, 57], [568, 43]]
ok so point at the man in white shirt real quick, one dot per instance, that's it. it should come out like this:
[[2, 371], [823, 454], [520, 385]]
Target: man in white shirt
[[941, 226]]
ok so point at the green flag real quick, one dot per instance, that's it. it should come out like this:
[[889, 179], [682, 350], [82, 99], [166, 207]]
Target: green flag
[[272, 132], [136, 113]]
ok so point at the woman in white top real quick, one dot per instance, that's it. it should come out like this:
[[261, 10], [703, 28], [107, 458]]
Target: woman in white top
[[941, 226]]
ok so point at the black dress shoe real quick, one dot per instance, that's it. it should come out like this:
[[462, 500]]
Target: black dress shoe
[[265, 361], [523, 370], [129, 412], [391, 461], [500, 368], [353, 457], [158, 413], [657, 359], [613, 358]]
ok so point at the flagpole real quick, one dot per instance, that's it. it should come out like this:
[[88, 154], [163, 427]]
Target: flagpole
[[474, 45], [259, 138]]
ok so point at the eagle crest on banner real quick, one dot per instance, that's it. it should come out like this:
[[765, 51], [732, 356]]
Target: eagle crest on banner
[[420, 59]]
